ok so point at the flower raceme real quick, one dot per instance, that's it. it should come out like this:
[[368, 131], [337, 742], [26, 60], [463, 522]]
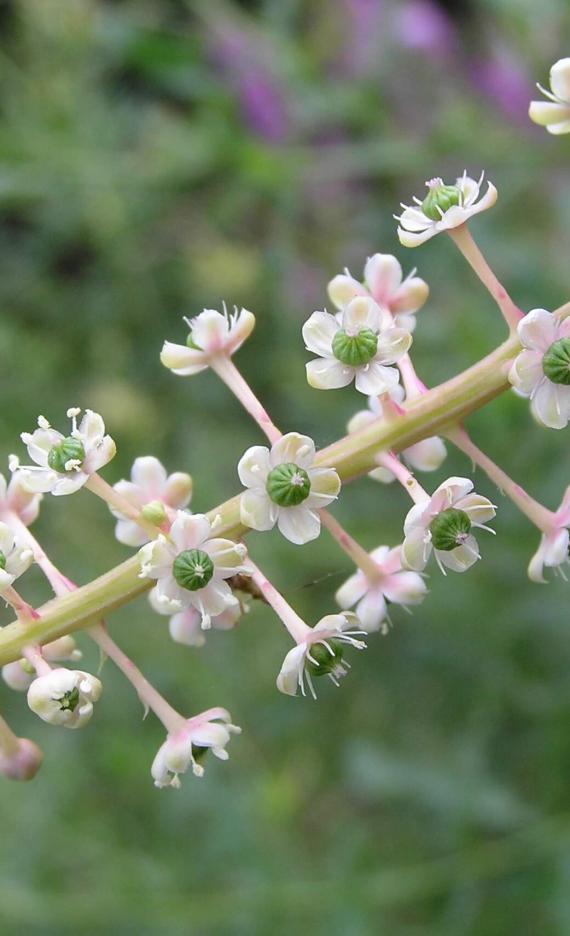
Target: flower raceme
[[360, 348], [212, 334], [155, 493], [284, 488], [384, 283], [541, 371], [444, 207], [444, 523], [554, 114], [320, 653], [209, 731]]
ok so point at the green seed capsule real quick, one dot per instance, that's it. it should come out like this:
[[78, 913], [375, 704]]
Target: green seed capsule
[[67, 450], [193, 569], [355, 350], [556, 362], [449, 529], [440, 198], [325, 663], [288, 485]]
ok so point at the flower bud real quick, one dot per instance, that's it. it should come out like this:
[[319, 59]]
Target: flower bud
[[355, 350], [178, 489], [288, 485], [154, 512], [439, 199], [24, 763], [16, 676], [64, 697]]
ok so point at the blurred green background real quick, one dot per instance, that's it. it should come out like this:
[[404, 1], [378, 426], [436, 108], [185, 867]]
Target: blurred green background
[[158, 156]]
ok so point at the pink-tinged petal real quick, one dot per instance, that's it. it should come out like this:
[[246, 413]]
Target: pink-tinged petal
[[130, 533], [182, 360], [298, 524], [427, 455], [371, 611], [288, 680], [558, 129], [352, 590], [91, 428], [360, 313], [416, 549], [177, 492], [360, 420], [210, 331], [450, 491], [560, 79], [293, 447], [526, 372], [537, 330], [318, 333], [328, 374], [150, 475], [254, 466], [462, 557], [185, 628], [69, 484], [99, 456], [381, 553], [479, 509], [392, 345], [130, 492], [325, 487], [410, 297], [189, 530], [417, 517], [536, 564], [375, 378], [551, 405], [556, 548], [22, 502], [257, 511], [156, 558], [414, 221], [39, 443], [343, 288], [240, 329], [227, 619], [405, 588], [383, 276], [214, 598], [331, 624], [548, 114]]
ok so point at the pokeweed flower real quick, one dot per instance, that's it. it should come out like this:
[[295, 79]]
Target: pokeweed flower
[[15, 499], [554, 114], [212, 334], [23, 763], [191, 567], [427, 455], [186, 626], [14, 559], [384, 283], [65, 697], [320, 653], [209, 731], [542, 370], [443, 208], [284, 488], [554, 548], [64, 463], [152, 491], [444, 523], [361, 347], [19, 675], [393, 585]]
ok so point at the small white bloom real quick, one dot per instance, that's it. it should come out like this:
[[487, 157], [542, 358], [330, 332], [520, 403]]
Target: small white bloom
[[186, 626], [320, 654], [15, 499], [284, 488], [64, 697], [212, 730], [190, 567], [393, 586], [212, 334], [553, 551], [542, 370], [63, 464], [14, 559], [554, 114], [445, 207], [361, 347], [384, 283], [19, 675], [427, 455], [149, 485], [443, 522]]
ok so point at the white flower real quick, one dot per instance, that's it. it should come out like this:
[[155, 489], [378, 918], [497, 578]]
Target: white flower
[[64, 697], [443, 522], [186, 626], [360, 347], [191, 567], [542, 370], [150, 485], [211, 730], [320, 654], [445, 207], [212, 334], [284, 488], [553, 551], [14, 559], [393, 586], [15, 499], [64, 463], [383, 283], [554, 114], [427, 455], [19, 675]]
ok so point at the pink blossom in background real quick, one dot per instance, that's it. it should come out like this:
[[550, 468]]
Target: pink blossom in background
[[423, 26]]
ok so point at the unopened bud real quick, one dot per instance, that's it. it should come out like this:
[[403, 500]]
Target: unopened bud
[[22, 764]]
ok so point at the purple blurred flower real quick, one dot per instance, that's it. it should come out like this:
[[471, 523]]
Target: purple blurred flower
[[502, 79], [423, 26]]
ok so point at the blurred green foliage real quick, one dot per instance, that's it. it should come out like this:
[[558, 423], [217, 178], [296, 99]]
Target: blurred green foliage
[[158, 156]]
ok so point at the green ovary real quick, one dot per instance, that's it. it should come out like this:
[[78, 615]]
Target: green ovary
[[556, 362], [449, 529], [288, 485], [67, 450], [439, 199], [192, 569], [355, 350], [325, 663]]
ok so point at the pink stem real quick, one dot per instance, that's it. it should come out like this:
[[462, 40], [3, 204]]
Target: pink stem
[[226, 370], [294, 624], [98, 486], [415, 490], [371, 569], [412, 383]]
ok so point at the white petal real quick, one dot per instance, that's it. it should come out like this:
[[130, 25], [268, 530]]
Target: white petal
[[405, 588], [352, 590], [414, 221], [560, 79], [19, 561], [371, 610], [325, 487], [383, 276], [548, 114], [551, 405], [416, 549], [462, 557], [343, 288], [210, 331], [410, 297], [189, 530], [318, 333], [360, 313], [100, 455], [69, 484], [293, 664], [450, 491], [240, 329], [213, 598], [130, 533], [91, 429], [156, 558], [409, 239], [150, 475], [227, 556], [182, 360], [39, 444], [556, 548], [374, 378], [6, 539], [257, 511], [328, 374], [254, 466], [537, 330], [563, 127], [298, 524], [293, 447], [392, 345], [37, 482], [426, 455], [526, 372], [479, 509]]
